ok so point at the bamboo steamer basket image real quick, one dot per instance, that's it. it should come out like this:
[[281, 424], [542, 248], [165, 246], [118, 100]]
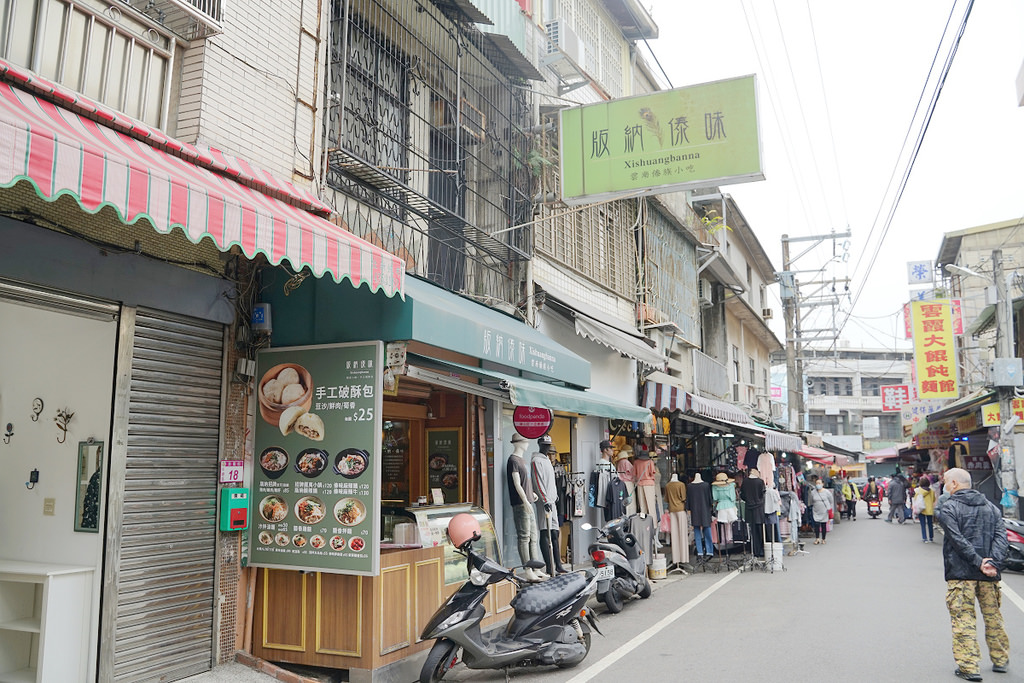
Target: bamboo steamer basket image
[[271, 410]]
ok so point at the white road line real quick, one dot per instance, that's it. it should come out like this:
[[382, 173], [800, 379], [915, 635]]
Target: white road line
[[592, 671], [1013, 595]]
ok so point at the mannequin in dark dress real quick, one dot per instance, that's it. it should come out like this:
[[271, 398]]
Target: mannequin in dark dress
[[752, 493], [698, 500]]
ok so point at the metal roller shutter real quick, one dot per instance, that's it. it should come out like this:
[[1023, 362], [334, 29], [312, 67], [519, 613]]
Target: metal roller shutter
[[166, 559]]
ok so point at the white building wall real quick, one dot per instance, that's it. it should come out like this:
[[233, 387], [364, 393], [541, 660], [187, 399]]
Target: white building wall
[[250, 91]]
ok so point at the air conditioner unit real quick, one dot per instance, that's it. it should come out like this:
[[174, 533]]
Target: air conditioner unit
[[766, 313], [563, 39], [704, 292], [473, 122]]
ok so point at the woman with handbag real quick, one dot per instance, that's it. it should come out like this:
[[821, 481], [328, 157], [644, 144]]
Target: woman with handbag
[[924, 506], [822, 504]]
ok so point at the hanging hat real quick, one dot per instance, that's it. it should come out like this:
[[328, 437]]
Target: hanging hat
[[721, 479]]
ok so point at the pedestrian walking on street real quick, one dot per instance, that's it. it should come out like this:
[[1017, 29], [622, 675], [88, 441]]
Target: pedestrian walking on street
[[851, 495], [821, 504], [897, 498], [924, 501], [973, 551]]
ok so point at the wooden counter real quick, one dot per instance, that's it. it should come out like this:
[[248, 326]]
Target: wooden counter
[[356, 622]]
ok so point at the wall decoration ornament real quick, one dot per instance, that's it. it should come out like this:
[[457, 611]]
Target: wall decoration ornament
[[9, 433], [37, 407], [62, 419]]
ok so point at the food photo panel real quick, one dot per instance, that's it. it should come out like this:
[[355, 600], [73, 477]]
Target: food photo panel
[[316, 484]]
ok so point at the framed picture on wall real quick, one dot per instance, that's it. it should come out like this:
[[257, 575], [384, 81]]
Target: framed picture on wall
[[444, 462]]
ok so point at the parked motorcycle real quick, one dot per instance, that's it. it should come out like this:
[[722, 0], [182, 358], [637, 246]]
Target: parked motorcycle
[[1015, 537], [551, 624], [621, 569], [874, 508]]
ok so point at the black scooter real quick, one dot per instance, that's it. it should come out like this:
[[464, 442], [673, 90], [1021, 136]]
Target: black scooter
[[550, 624], [621, 569], [1015, 538]]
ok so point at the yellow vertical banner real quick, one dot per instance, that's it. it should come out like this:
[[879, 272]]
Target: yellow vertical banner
[[934, 350]]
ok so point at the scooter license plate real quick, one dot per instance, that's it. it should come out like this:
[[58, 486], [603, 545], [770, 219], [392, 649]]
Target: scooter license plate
[[606, 572]]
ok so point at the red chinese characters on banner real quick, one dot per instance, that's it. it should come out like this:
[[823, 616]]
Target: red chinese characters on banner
[[957, 316], [1017, 408], [894, 397], [934, 350]]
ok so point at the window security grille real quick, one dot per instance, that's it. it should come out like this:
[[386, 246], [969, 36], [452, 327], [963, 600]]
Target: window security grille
[[427, 146]]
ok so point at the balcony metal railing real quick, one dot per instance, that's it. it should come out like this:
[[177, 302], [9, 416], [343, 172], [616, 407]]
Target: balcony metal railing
[[426, 140], [189, 19], [710, 377]]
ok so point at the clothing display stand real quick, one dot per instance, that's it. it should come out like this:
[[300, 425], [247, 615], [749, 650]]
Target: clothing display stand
[[753, 562], [770, 558], [721, 548]]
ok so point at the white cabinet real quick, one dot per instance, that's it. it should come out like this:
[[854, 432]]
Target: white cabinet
[[44, 622]]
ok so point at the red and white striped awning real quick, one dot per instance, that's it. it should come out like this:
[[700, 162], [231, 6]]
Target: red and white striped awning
[[660, 396], [64, 144]]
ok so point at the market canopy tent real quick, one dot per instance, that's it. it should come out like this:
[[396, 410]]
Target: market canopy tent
[[886, 453], [823, 456]]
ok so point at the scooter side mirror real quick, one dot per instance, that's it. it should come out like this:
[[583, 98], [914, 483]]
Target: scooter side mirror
[[586, 526]]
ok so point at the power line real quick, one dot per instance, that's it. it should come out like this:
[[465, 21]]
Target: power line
[[906, 137], [828, 115], [916, 150], [800, 111]]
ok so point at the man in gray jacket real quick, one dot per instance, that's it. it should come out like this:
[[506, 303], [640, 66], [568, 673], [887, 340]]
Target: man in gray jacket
[[897, 498], [973, 551]]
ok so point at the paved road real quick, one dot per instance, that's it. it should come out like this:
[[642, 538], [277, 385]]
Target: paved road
[[868, 606]]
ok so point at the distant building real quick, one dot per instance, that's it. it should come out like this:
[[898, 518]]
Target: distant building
[[844, 396]]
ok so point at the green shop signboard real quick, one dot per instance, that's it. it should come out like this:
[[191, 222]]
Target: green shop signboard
[[316, 480], [666, 141]]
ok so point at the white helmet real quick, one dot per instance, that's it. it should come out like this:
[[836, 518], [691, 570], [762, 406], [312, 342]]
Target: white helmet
[[463, 529]]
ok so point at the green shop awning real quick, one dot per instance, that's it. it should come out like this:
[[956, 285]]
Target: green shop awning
[[526, 392], [435, 316], [322, 313]]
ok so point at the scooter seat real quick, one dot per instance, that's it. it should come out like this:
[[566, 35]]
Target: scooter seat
[[541, 597]]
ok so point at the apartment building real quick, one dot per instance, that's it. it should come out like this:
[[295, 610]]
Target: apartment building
[[844, 395]]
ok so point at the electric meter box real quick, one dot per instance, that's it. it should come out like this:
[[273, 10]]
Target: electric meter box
[[234, 509]]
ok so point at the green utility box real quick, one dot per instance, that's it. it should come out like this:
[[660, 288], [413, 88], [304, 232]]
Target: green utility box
[[234, 509]]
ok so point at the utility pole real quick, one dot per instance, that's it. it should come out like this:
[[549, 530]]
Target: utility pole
[[794, 375], [792, 303], [1004, 351]]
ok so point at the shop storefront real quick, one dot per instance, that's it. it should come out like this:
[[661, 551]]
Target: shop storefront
[[124, 254], [436, 391], [706, 433]]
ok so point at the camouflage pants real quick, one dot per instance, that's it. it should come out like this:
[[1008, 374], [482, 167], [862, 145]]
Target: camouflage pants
[[960, 597]]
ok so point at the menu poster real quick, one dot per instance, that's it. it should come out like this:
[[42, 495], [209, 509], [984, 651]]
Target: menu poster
[[316, 479], [444, 461], [395, 462]]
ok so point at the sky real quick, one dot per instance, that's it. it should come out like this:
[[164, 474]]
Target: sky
[[838, 84]]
